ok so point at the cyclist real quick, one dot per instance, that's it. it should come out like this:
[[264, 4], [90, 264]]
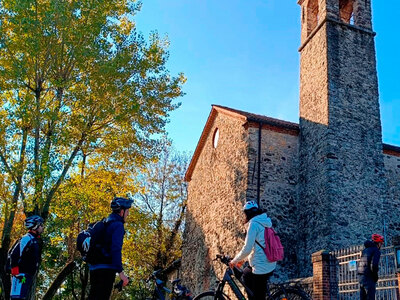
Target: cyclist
[[368, 267], [255, 276], [24, 258], [102, 274]]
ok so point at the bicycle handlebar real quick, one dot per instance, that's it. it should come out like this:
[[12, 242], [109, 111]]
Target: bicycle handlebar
[[155, 274], [118, 286], [224, 259]]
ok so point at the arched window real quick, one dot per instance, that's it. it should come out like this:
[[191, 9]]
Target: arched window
[[312, 15], [346, 11], [215, 137]]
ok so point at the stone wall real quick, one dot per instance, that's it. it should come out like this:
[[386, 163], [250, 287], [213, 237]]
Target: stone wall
[[342, 171], [278, 188], [217, 191], [314, 203], [356, 168], [327, 187], [392, 173]]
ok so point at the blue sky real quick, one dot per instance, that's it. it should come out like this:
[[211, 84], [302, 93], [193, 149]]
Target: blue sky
[[243, 54]]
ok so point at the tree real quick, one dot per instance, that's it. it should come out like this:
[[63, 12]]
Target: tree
[[163, 194], [82, 200], [75, 76]]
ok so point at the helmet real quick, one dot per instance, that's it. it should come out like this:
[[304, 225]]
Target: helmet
[[377, 238], [33, 222], [252, 204], [121, 203]]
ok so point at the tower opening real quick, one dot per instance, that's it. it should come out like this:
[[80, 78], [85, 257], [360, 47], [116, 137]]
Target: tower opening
[[312, 15], [346, 11]]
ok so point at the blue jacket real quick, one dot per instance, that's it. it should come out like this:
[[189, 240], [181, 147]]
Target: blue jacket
[[113, 240], [369, 263]]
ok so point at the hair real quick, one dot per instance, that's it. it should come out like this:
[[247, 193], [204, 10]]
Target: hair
[[118, 210], [251, 213]]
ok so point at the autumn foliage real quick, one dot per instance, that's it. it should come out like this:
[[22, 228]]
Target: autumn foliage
[[84, 98]]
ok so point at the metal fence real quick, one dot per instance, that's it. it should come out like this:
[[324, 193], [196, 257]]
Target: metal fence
[[387, 286]]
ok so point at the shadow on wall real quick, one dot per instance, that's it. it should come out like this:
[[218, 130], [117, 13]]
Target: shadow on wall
[[214, 223], [341, 174], [197, 270]]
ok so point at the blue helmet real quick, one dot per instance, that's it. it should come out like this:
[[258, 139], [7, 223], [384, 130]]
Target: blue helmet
[[119, 203], [33, 222]]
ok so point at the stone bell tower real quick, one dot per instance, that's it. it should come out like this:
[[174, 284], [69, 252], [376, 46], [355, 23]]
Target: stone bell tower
[[342, 186]]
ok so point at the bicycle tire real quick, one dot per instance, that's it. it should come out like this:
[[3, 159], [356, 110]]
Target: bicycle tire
[[290, 293], [210, 296]]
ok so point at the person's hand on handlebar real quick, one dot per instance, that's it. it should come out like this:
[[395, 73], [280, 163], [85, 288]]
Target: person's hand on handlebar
[[124, 279], [238, 264]]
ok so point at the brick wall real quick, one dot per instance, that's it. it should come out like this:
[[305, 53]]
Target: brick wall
[[325, 282]]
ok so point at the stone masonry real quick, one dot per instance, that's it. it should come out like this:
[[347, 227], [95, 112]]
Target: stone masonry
[[342, 182], [327, 182], [278, 180], [392, 174], [217, 189]]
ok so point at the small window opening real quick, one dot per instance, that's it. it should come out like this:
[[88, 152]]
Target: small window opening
[[312, 15], [346, 11], [216, 138]]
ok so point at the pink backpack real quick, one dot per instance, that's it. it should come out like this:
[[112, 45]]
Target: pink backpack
[[273, 246]]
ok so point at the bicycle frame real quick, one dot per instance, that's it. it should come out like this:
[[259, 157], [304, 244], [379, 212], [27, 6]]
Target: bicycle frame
[[231, 274], [228, 278], [161, 288]]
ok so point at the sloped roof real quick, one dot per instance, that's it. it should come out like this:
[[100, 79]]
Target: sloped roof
[[391, 150], [252, 118], [242, 115]]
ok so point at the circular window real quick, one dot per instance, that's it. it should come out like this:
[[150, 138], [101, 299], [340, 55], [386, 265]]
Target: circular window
[[216, 137]]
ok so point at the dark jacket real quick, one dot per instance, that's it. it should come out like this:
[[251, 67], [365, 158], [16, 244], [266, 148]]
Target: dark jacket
[[27, 254], [369, 262], [112, 244]]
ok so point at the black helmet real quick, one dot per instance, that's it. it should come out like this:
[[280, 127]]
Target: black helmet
[[121, 203], [33, 222]]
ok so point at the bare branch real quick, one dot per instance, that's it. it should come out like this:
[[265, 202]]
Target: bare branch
[[54, 189], [9, 171]]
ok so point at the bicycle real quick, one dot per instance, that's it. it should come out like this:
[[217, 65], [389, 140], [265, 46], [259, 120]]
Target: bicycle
[[279, 292], [178, 291]]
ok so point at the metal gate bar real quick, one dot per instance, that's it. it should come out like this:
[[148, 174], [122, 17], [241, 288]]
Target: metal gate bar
[[387, 286]]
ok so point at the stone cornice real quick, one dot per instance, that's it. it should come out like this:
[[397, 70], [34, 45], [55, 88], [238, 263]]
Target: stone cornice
[[332, 20]]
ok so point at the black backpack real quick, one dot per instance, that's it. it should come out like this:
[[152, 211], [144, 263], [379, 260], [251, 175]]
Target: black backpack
[[90, 243]]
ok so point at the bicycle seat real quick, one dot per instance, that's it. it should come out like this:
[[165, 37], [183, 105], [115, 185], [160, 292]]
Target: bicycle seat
[[176, 281]]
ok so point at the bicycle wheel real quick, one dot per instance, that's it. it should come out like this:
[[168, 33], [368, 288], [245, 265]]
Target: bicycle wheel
[[290, 293], [210, 296]]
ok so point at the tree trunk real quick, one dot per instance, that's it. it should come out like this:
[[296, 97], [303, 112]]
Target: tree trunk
[[6, 241], [174, 233], [3, 288], [65, 272]]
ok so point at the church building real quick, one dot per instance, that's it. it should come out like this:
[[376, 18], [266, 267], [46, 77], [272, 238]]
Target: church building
[[327, 182]]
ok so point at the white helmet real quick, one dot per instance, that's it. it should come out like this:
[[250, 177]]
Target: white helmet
[[252, 204]]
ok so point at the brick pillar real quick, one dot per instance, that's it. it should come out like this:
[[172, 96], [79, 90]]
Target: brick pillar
[[325, 282]]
